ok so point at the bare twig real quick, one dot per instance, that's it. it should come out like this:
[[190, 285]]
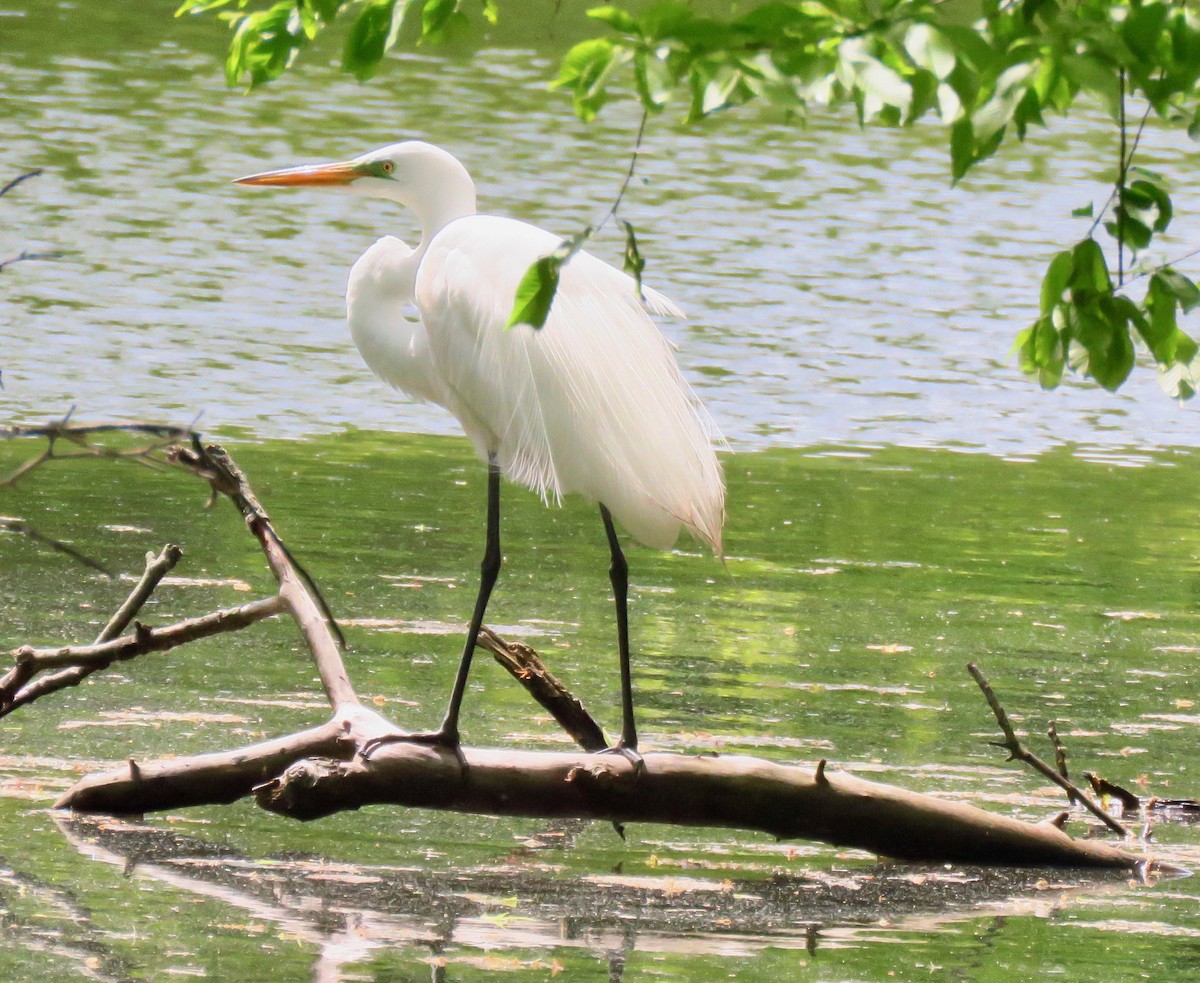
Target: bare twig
[[1018, 751], [18, 179], [24, 255], [633, 160], [312, 615], [1122, 174], [1127, 158], [523, 663], [30, 660], [61, 428], [157, 567], [1060, 757], [79, 436]]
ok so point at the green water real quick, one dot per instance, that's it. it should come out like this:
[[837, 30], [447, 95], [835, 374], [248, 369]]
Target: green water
[[857, 586], [850, 319]]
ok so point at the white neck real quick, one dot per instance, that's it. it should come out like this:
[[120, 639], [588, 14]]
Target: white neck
[[440, 192]]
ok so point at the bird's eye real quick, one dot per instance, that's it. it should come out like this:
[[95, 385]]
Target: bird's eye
[[387, 167]]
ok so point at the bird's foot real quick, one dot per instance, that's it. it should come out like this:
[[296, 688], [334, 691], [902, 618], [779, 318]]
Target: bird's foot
[[445, 739], [630, 753]]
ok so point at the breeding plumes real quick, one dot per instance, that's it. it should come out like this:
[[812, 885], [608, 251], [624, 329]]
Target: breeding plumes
[[592, 403]]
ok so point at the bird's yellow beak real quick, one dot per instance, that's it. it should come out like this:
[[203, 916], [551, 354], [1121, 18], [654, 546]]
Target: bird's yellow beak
[[306, 176]]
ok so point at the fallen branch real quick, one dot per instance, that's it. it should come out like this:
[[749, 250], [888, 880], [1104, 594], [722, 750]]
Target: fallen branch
[[729, 791], [321, 770], [1018, 751]]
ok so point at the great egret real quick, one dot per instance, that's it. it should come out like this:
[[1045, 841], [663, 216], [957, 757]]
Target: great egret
[[592, 402]]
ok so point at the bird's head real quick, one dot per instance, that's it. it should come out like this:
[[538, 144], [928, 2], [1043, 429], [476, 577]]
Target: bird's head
[[418, 175]]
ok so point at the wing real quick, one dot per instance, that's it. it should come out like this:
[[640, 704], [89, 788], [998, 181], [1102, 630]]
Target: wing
[[592, 403]]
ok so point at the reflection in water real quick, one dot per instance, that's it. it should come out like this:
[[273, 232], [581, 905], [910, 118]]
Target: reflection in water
[[831, 298], [344, 912]]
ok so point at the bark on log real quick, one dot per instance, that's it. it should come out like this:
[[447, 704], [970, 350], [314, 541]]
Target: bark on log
[[732, 791], [220, 777]]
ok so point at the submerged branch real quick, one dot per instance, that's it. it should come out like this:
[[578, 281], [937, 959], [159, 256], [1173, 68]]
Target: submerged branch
[[157, 567], [23, 528], [1018, 751]]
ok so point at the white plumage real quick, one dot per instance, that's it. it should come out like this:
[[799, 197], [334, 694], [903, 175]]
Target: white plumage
[[592, 403]]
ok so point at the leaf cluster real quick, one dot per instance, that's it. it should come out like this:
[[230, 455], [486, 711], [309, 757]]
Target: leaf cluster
[[267, 38], [1090, 324], [987, 69]]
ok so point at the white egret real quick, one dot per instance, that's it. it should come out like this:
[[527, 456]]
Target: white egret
[[592, 403]]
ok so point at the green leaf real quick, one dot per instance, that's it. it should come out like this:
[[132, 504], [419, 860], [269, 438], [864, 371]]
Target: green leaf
[[535, 293], [617, 19], [1161, 326], [371, 36], [1155, 196], [1097, 77], [1134, 233], [326, 10], [264, 43], [1185, 291], [200, 6], [584, 70], [930, 49], [1040, 352], [491, 13], [1111, 357], [1083, 211], [995, 114], [435, 18], [962, 147], [1090, 268], [654, 79], [1054, 283], [1143, 28]]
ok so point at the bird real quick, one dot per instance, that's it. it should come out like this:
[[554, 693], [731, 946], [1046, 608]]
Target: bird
[[591, 403]]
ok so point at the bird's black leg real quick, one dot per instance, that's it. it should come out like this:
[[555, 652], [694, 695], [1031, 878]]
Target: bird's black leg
[[489, 570], [447, 735], [618, 573]]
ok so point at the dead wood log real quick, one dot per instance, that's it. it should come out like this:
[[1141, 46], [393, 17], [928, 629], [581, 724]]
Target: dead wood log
[[323, 770], [223, 776], [301, 778], [732, 791]]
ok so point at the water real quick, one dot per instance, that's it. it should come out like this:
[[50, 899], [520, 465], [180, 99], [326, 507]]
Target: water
[[849, 328], [856, 589], [832, 298]]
